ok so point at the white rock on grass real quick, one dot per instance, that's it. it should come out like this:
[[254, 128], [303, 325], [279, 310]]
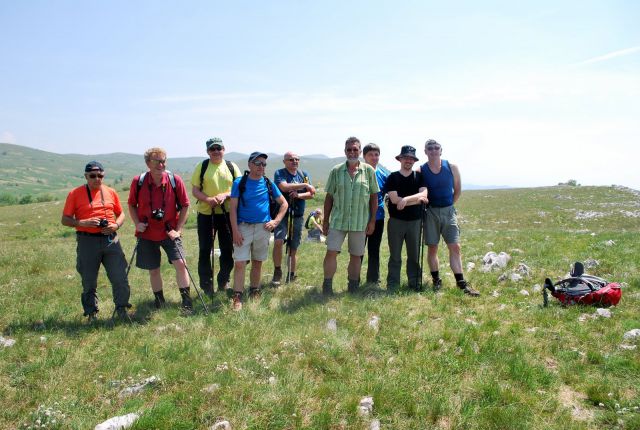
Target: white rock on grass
[[632, 334], [470, 266], [6, 342], [366, 406], [374, 322], [628, 347], [134, 389], [332, 325], [523, 269], [537, 288], [590, 263], [495, 293], [492, 260], [524, 292], [604, 313], [375, 425], [212, 388], [489, 244], [118, 423], [515, 277], [221, 425], [609, 242]]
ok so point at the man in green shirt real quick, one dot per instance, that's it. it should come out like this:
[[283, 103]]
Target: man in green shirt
[[350, 210]]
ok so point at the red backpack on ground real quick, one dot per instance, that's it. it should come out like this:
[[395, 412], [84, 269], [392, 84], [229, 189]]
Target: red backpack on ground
[[583, 289]]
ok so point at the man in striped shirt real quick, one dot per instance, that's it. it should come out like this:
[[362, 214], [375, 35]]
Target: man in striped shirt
[[350, 210]]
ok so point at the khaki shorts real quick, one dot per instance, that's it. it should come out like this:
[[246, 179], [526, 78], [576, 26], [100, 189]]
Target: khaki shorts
[[255, 243], [356, 241], [441, 222]]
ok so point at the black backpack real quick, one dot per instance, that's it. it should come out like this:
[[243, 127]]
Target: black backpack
[[172, 180], [205, 164], [274, 206]]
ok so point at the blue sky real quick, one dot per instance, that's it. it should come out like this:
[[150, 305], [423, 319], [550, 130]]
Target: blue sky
[[518, 93]]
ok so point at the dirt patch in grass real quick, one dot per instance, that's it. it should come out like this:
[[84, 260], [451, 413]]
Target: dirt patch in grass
[[575, 401]]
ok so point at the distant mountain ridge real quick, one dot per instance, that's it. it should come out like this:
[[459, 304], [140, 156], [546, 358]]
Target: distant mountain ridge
[[25, 170]]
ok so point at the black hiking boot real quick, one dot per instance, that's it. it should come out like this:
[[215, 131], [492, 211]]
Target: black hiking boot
[[277, 276], [437, 285], [352, 286], [187, 304], [159, 301], [327, 287]]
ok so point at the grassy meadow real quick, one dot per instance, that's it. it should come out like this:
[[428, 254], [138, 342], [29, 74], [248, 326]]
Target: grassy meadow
[[441, 361]]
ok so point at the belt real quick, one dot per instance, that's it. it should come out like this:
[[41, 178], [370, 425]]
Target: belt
[[84, 233]]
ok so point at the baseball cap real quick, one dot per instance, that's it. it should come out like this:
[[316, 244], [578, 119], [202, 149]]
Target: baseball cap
[[93, 165], [257, 154], [214, 141]]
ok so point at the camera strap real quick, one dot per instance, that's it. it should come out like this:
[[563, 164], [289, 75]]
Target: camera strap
[[91, 198], [164, 187]]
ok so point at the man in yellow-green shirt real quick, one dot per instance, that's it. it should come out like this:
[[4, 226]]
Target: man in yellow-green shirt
[[211, 185], [350, 210]]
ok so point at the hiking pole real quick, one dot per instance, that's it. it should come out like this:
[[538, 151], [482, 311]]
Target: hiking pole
[[289, 237], [213, 247], [421, 236], [135, 249], [178, 243]]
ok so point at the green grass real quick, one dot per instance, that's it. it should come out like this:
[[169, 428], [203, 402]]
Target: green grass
[[437, 361]]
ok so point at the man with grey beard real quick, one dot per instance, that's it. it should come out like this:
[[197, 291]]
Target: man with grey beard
[[350, 210]]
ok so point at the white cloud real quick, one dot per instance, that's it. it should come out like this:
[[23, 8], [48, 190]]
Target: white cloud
[[610, 55], [7, 137]]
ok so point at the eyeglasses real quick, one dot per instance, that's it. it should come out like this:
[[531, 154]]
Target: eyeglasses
[[154, 161], [433, 148], [293, 159], [259, 163], [215, 148], [96, 175], [352, 150]]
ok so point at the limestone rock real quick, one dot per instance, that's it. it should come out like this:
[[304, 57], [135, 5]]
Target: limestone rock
[[118, 423]]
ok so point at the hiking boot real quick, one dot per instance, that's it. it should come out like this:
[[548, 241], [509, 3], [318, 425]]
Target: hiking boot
[[466, 288], [223, 287], [122, 314], [159, 301], [277, 276], [254, 293], [291, 277], [327, 287], [92, 317], [352, 287], [187, 304], [437, 285], [415, 285], [207, 289], [237, 301]]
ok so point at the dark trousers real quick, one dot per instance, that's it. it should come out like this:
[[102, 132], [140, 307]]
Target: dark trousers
[[401, 232], [206, 224], [373, 252], [92, 251]]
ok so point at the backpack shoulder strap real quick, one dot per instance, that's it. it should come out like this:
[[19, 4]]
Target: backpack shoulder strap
[[172, 181], [203, 168], [231, 169], [140, 182], [242, 186]]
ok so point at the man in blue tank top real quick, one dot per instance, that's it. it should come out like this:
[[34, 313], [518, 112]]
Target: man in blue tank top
[[442, 180]]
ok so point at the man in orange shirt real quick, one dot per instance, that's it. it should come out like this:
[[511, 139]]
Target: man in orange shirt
[[94, 211]]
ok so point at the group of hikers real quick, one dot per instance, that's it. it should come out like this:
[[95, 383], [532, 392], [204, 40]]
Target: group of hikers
[[243, 209]]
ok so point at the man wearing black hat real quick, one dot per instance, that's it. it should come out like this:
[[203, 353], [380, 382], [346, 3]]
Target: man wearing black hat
[[211, 185], [94, 210], [406, 194], [444, 184], [252, 222]]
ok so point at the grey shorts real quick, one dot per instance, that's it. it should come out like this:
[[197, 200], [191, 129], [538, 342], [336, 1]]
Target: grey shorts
[[280, 233], [148, 257], [255, 243], [356, 241], [441, 222]]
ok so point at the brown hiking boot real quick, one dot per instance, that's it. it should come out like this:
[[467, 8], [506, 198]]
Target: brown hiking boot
[[277, 276], [254, 293], [468, 290], [237, 301]]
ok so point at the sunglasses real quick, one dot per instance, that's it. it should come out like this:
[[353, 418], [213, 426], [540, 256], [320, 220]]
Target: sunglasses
[[95, 175], [215, 148], [293, 159], [433, 148], [154, 161], [259, 163]]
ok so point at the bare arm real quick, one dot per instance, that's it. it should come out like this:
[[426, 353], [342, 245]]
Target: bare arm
[[283, 210], [457, 183], [328, 206], [212, 201], [133, 213], [233, 220], [182, 219]]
